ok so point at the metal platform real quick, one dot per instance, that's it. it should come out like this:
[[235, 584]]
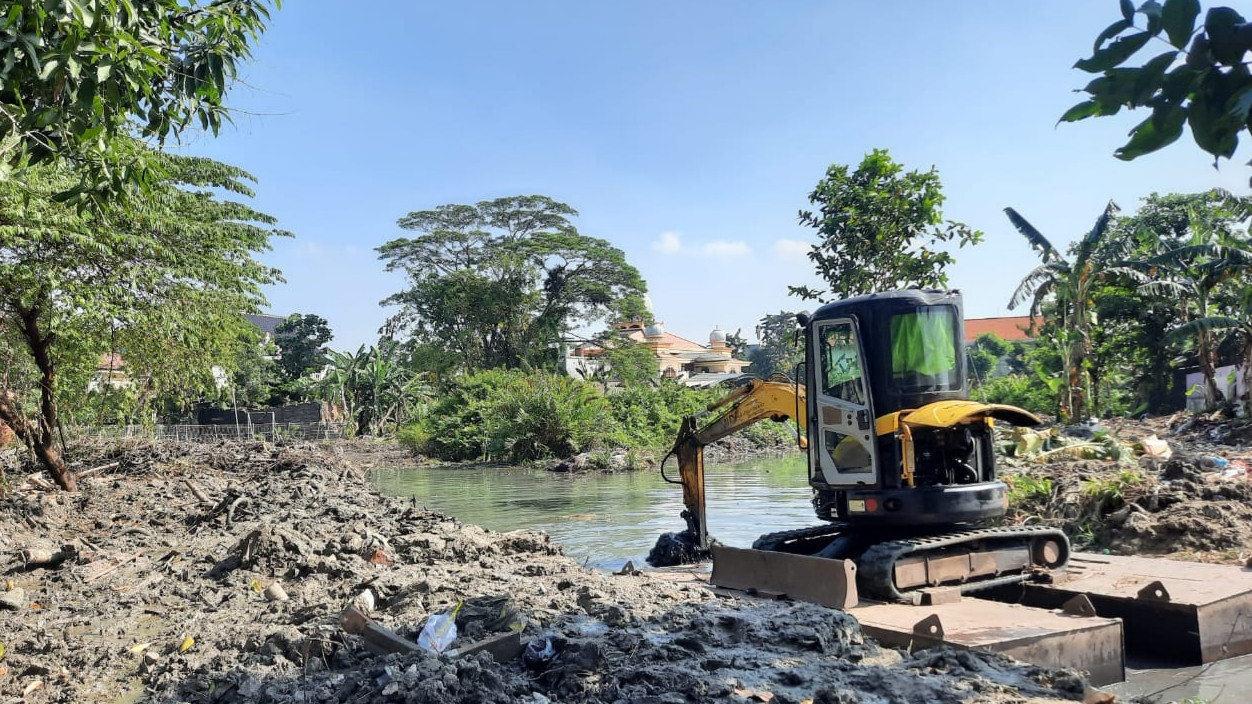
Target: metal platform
[[1042, 637], [1187, 612]]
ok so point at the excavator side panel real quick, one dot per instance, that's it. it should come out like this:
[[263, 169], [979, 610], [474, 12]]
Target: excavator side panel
[[831, 583]]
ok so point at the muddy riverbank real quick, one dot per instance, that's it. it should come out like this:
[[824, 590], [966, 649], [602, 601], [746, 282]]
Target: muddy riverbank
[[219, 574]]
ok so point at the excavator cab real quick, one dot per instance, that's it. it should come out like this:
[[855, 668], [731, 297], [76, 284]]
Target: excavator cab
[[893, 440]]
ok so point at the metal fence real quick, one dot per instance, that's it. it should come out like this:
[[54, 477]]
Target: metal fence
[[322, 430]]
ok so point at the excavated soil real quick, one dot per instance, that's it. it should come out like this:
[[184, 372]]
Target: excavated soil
[[1197, 504], [169, 558]]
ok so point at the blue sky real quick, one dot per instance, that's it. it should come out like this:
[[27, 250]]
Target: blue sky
[[688, 134]]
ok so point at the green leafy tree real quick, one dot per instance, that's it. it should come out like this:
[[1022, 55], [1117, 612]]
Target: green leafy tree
[[1195, 273], [738, 344], [985, 354], [500, 282], [301, 341], [81, 76], [257, 377], [879, 228], [166, 280], [1200, 80], [1136, 314], [632, 363], [779, 351]]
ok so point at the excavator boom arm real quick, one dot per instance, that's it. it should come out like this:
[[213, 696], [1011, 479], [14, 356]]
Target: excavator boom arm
[[744, 406]]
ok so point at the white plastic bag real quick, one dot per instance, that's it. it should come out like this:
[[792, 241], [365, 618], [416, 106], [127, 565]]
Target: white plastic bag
[[439, 631]]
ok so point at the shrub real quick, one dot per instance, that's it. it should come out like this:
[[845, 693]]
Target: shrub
[[511, 416], [1018, 390]]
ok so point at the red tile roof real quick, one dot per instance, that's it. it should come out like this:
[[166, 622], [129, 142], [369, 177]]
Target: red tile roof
[[1010, 329]]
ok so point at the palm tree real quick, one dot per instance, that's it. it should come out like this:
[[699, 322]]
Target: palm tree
[[1072, 283]]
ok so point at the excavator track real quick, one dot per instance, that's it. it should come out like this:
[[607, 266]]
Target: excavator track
[[876, 569], [775, 542], [876, 566]]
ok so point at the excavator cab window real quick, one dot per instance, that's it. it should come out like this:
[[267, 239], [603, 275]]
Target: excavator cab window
[[923, 349], [847, 453]]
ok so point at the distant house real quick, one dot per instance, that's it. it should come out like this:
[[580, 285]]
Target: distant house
[[267, 324], [111, 369], [110, 373], [1010, 329]]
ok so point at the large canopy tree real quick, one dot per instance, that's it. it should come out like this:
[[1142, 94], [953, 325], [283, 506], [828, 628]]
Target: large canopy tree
[[501, 281], [78, 75], [166, 279], [879, 228]]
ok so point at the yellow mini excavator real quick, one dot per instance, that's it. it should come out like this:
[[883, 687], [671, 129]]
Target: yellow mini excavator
[[901, 462]]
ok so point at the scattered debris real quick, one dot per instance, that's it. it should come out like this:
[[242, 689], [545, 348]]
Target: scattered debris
[[182, 598]]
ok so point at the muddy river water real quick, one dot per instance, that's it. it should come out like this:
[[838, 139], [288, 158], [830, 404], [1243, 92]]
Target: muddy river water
[[604, 520]]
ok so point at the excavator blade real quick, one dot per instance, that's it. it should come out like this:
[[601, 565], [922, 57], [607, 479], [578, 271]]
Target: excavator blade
[[819, 580]]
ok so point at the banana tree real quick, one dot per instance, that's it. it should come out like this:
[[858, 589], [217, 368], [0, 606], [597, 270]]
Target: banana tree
[[1194, 272], [373, 387], [1072, 282]]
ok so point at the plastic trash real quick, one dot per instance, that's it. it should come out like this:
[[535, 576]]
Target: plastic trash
[[1214, 463], [439, 631], [539, 653]]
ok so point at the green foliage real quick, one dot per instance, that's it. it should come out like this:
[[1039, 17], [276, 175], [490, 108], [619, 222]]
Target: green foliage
[[879, 229], [649, 417], [82, 76], [499, 283], [1109, 493], [1071, 284], [509, 416], [301, 343], [165, 279], [779, 351], [256, 378], [1027, 494], [547, 415], [1021, 390], [376, 388], [985, 354], [1201, 81], [631, 363]]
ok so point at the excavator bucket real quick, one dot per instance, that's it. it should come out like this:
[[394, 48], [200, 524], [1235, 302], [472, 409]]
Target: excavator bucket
[[831, 583]]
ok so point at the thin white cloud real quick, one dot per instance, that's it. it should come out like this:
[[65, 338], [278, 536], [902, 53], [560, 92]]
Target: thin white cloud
[[671, 243], [668, 242], [791, 249], [721, 248]]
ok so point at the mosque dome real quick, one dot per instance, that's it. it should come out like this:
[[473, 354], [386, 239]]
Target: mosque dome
[[717, 335]]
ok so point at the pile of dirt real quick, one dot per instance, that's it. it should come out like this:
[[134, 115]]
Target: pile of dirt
[[219, 573], [1194, 504]]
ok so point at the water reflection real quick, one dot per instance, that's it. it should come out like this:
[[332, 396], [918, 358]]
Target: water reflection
[[606, 519]]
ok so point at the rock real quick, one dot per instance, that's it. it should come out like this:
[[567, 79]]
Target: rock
[[14, 599]]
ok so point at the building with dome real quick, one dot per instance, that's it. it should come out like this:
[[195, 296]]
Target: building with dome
[[677, 357]]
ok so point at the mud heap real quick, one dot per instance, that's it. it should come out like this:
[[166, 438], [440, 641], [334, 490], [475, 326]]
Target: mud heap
[[220, 574], [1191, 500]]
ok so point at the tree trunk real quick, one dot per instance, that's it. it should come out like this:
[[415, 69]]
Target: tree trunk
[[1208, 367], [39, 436]]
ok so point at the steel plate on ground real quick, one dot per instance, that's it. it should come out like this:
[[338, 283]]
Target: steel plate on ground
[[817, 580], [1184, 611], [1037, 636]]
